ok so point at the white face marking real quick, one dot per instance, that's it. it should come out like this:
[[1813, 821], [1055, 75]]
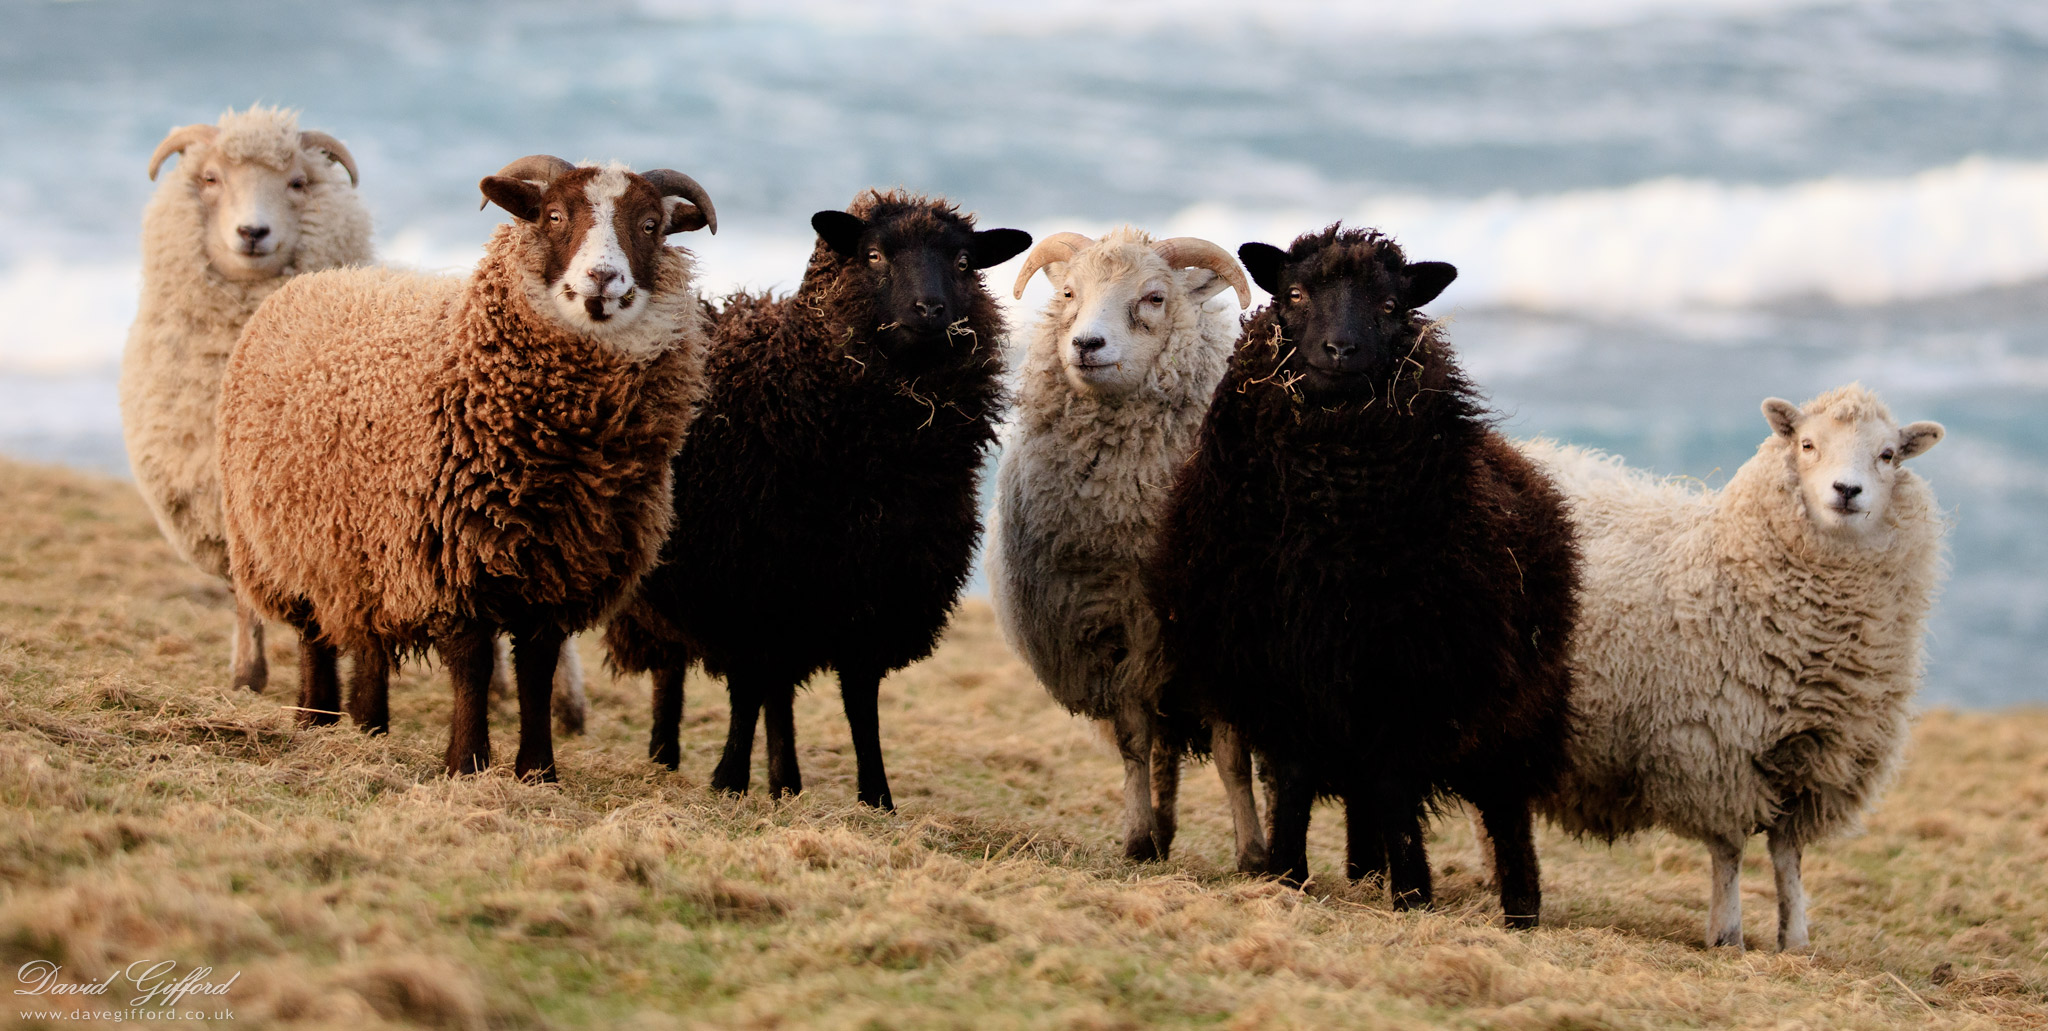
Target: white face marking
[[1118, 331], [252, 215], [1846, 470], [597, 283]]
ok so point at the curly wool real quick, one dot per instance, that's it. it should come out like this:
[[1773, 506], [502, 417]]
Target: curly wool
[[819, 491], [191, 315], [404, 454], [1081, 489], [1737, 668]]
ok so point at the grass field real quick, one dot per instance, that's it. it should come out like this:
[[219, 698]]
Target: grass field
[[147, 812]]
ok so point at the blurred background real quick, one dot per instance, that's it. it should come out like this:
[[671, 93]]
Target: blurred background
[[1663, 211]]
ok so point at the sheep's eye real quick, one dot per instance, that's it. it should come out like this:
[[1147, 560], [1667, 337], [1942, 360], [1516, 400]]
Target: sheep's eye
[[1886, 457], [209, 179], [1386, 307], [1806, 445], [298, 183], [1294, 293], [1155, 297], [648, 226], [962, 264], [554, 216], [1067, 292], [874, 256]]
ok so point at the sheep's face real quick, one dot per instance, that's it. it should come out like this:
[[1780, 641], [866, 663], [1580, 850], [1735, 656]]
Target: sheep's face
[[252, 212], [1114, 308], [920, 270], [603, 231], [1843, 452], [1345, 302]]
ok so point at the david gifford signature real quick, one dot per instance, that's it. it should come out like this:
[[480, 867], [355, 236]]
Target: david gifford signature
[[157, 980]]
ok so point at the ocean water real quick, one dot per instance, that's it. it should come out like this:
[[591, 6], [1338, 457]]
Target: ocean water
[[1663, 211]]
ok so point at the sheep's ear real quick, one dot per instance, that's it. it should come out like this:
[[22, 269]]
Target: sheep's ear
[[518, 196], [1425, 280], [1783, 415], [994, 246], [1264, 261], [683, 216], [1918, 438], [840, 231], [1201, 283]]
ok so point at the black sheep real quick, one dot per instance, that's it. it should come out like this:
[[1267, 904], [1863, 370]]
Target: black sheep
[[1364, 577], [826, 500]]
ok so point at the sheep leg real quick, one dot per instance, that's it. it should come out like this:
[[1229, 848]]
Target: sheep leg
[[1165, 790], [369, 691], [571, 704], [468, 656], [1291, 797], [1516, 869], [1234, 766], [662, 744], [1365, 852], [1785, 851], [1400, 819], [1724, 912], [1133, 727], [860, 692], [735, 767], [534, 658], [252, 668], [779, 705], [319, 683]]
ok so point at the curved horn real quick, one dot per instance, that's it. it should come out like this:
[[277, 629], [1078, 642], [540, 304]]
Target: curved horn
[[536, 168], [331, 147], [178, 140], [1057, 247], [672, 183], [1195, 252]]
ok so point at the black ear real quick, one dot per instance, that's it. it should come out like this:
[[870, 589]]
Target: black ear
[[840, 231], [1426, 279], [517, 196], [995, 246], [1264, 261]]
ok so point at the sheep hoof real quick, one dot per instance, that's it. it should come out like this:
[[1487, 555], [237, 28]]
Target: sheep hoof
[[878, 800], [1520, 921], [665, 753], [255, 679], [1728, 940], [1253, 861], [1142, 849], [543, 775], [726, 782]]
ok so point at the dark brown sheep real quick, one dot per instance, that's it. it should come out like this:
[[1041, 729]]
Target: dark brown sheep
[[1364, 577], [825, 502]]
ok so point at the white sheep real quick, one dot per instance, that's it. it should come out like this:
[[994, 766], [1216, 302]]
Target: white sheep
[[255, 201], [1116, 377], [1745, 656], [412, 460]]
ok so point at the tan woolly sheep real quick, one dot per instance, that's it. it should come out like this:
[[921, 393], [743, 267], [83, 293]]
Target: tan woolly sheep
[[254, 201], [1745, 656], [412, 460], [1116, 378]]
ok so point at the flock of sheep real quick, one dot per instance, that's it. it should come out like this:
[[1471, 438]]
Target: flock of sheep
[[1296, 542]]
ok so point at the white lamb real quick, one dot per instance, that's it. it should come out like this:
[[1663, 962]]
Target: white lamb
[[254, 202], [1745, 656], [1116, 378]]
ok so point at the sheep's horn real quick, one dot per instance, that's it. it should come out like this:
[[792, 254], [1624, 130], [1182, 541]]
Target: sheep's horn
[[1195, 252], [1057, 247], [178, 140], [672, 183], [536, 168], [331, 147]]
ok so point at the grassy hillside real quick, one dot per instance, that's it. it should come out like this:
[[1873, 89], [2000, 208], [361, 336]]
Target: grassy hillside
[[147, 812]]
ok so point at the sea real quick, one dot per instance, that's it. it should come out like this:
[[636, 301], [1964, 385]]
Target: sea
[[1663, 211]]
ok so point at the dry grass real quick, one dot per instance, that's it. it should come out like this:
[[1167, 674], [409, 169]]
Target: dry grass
[[148, 812]]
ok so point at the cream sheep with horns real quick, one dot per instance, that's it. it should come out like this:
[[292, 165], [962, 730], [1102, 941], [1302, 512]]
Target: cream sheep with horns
[[1746, 655], [1116, 377], [411, 460], [253, 202]]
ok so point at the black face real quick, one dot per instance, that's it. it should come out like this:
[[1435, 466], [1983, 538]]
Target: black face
[[1346, 313], [923, 276]]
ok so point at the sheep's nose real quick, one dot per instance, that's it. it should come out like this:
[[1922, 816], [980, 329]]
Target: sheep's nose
[[252, 233], [603, 278], [931, 308], [1089, 345], [1848, 490], [1340, 349]]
